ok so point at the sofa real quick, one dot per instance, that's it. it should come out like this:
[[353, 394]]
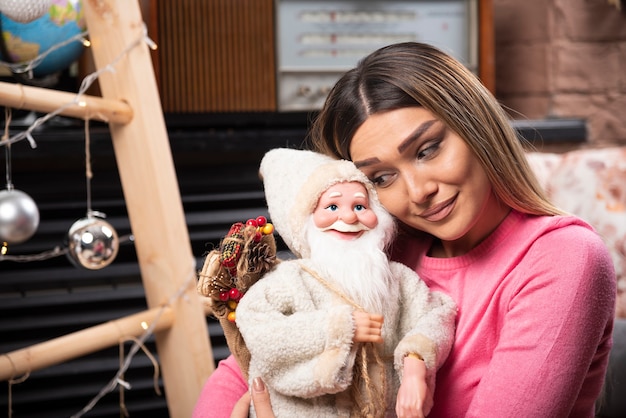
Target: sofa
[[591, 183]]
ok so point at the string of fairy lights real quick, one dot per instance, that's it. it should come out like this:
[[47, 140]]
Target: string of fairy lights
[[93, 242], [101, 244]]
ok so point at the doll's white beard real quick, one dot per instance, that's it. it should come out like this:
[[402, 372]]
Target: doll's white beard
[[360, 267]]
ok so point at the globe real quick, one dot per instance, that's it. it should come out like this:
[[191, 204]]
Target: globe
[[26, 41]]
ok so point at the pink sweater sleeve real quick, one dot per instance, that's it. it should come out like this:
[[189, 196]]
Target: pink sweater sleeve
[[221, 391], [553, 346]]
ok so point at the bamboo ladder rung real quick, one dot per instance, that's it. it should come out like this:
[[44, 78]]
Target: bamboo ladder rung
[[83, 342], [19, 96]]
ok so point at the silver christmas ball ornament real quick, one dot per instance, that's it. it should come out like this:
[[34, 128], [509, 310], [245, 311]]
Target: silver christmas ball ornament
[[92, 242], [25, 11], [19, 216]]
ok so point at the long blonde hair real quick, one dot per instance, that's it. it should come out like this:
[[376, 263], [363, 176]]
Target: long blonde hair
[[415, 74]]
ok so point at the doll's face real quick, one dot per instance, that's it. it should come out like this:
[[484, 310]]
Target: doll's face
[[343, 210]]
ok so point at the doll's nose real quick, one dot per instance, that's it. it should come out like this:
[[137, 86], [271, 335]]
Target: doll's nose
[[348, 216]]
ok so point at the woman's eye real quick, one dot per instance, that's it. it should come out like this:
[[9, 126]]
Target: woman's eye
[[382, 180], [429, 149]]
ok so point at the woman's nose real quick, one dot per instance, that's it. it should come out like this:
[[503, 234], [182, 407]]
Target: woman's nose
[[420, 188]]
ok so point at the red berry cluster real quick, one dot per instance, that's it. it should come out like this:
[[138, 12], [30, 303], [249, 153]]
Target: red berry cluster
[[232, 296], [262, 227]]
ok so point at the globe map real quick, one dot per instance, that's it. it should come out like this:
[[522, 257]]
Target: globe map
[[26, 41]]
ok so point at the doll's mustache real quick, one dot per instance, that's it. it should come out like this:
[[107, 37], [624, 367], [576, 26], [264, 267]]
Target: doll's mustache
[[341, 226]]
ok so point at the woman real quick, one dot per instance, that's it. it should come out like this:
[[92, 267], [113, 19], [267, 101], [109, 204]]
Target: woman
[[535, 288]]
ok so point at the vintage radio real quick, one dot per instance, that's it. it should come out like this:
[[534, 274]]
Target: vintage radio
[[284, 55]]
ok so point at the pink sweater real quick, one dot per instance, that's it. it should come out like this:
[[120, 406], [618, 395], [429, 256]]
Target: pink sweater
[[536, 306]]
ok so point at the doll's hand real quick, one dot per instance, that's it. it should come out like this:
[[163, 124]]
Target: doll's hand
[[413, 400], [368, 327]]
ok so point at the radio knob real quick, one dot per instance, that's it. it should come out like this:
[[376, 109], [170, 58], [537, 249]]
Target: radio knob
[[304, 91]]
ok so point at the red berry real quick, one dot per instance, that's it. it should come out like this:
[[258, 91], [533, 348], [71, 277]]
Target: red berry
[[257, 236], [252, 222], [234, 294], [261, 220], [224, 296]]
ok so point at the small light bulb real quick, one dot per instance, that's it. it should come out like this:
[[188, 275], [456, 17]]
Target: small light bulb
[[5, 248], [144, 325], [151, 44]]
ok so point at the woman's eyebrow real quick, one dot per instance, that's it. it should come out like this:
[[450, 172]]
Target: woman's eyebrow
[[415, 135], [365, 163]]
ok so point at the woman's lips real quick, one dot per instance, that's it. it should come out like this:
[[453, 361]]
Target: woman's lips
[[439, 211]]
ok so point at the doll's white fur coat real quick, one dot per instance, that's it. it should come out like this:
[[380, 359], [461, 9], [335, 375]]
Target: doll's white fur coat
[[299, 333]]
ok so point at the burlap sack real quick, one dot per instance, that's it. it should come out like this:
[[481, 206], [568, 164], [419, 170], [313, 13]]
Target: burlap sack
[[253, 258]]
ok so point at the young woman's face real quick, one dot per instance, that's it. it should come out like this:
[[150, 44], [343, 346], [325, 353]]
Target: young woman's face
[[427, 177]]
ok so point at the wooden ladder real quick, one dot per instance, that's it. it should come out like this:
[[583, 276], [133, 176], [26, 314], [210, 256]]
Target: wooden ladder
[[131, 105]]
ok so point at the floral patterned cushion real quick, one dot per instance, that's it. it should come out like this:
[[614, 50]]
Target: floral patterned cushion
[[590, 183]]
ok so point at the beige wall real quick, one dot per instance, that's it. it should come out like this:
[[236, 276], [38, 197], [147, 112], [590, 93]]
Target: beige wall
[[564, 59]]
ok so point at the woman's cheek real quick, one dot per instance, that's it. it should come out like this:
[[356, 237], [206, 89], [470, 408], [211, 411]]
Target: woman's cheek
[[391, 202]]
